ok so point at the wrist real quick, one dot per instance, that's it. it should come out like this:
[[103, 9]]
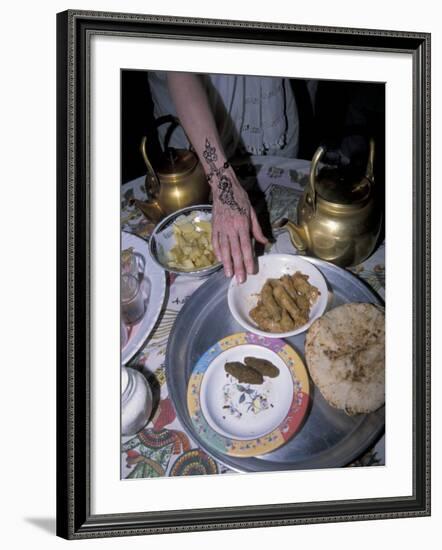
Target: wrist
[[213, 161], [214, 174]]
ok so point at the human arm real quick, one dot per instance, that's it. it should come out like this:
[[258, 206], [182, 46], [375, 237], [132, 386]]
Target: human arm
[[234, 219]]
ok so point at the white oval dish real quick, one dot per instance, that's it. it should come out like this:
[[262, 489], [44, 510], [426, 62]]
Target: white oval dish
[[242, 297]]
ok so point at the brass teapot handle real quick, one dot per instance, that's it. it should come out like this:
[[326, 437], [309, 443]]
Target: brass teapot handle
[[152, 181], [311, 193], [369, 171]]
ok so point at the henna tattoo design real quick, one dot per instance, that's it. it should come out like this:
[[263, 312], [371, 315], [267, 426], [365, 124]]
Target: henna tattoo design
[[226, 195], [210, 154], [224, 185]]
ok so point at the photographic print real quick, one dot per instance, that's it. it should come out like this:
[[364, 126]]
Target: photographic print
[[253, 273], [243, 269]]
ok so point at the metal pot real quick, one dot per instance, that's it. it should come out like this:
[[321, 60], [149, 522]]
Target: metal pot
[[339, 220], [178, 181]]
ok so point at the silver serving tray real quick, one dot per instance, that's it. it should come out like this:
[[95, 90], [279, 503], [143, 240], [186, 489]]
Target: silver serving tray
[[329, 438]]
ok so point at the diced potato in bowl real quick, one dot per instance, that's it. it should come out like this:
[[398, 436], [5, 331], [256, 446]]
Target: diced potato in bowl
[[182, 242], [193, 247]]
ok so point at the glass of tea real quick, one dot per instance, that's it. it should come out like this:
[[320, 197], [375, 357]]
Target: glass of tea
[[133, 303]]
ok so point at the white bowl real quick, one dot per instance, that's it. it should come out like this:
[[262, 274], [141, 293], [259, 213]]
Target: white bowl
[[242, 297]]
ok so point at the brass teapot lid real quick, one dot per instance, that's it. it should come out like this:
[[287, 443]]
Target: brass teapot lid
[[173, 164], [336, 186], [341, 186], [177, 163]]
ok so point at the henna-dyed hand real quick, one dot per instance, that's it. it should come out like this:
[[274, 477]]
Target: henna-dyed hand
[[234, 222]]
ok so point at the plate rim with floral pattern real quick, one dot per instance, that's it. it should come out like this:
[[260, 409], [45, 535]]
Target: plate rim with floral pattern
[[277, 437]]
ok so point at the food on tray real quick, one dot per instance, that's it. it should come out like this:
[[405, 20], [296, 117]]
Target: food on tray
[[266, 368], [243, 374], [284, 304], [269, 302], [299, 316], [193, 248], [304, 288], [345, 354], [262, 318], [252, 370]]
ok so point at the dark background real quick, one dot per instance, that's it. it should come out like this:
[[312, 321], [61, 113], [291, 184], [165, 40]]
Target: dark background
[[342, 109]]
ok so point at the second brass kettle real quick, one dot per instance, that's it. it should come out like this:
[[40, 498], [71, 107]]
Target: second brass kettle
[[177, 181], [338, 220]]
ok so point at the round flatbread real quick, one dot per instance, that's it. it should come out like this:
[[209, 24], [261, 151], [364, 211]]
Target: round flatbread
[[345, 354]]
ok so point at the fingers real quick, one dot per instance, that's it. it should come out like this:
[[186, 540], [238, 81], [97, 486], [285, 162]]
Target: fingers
[[216, 246], [232, 244], [225, 254], [256, 228], [234, 254], [247, 252], [237, 256]]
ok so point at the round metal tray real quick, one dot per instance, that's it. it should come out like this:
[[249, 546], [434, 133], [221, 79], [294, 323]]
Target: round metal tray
[[329, 438]]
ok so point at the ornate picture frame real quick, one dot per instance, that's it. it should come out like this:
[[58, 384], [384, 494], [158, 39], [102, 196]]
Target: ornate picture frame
[[75, 29]]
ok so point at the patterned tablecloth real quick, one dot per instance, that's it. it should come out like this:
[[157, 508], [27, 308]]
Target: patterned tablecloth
[[162, 448]]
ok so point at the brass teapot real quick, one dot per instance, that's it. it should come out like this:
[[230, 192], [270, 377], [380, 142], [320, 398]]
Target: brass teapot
[[339, 220], [178, 181]]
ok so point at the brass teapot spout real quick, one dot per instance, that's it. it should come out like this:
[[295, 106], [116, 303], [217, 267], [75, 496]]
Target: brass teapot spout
[[298, 235], [151, 209]]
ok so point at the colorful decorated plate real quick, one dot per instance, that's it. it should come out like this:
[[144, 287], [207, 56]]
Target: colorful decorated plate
[[243, 419]]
